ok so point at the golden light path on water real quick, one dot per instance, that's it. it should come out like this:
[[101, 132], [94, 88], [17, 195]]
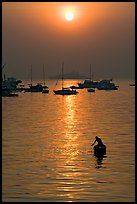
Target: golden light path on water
[[70, 149]]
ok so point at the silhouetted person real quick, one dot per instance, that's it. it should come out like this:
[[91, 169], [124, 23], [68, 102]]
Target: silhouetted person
[[97, 139]]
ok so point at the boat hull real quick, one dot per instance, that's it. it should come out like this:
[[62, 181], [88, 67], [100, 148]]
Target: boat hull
[[76, 87], [107, 88], [6, 92], [65, 92], [99, 150], [36, 88], [45, 91], [10, 95], [91, 90]]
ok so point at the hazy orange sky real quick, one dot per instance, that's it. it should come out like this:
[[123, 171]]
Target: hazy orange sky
[[101, 34]]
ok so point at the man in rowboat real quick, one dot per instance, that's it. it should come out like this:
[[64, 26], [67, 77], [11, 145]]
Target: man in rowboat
[[100, 148], [97, 139]]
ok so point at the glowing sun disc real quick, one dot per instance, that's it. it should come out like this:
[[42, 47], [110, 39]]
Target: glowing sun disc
[[69, 16]]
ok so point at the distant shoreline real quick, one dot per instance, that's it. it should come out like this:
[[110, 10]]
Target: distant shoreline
[[68, 77]]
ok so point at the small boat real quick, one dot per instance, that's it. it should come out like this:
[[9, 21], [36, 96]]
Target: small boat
[[91, 90], [132, 84], [64, 91], [99, 150]]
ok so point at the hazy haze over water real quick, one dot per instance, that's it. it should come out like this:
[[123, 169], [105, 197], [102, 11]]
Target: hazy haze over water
[[102, 34]]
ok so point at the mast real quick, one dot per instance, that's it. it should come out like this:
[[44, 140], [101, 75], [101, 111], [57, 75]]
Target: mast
[[62, 74], [31, 77], [31, 74], [3, 66], [4, 77], [4, 74], [91, 74], [43, 75]]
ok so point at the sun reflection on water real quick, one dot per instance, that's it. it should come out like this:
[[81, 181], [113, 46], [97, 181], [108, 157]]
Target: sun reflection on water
[[68, 176]]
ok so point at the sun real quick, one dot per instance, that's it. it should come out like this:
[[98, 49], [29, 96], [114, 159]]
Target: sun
[[69, 16]]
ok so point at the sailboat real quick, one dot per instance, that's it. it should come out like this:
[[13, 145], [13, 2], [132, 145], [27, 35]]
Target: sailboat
[[92, 89], [65, 91], [36, 88], [45, 88]]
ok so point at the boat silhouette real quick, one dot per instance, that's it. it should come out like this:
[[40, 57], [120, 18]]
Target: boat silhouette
[[64, 91]]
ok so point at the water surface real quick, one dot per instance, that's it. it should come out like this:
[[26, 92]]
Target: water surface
[[46, 146]]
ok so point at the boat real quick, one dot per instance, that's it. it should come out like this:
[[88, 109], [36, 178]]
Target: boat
[[64, 91], [99, 150], [10, 83], [91, 90], [20, 88], [76, 87], [36, 88], [88, 83], [131, 84], [45, 88], [7, 92], [106, 84]]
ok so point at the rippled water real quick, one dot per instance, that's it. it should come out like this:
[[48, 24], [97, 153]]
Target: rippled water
[[46, 146]]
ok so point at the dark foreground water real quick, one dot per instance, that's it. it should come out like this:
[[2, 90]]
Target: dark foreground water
[[46, 146]]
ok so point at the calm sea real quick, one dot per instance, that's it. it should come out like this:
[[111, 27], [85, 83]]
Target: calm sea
[[46, 146]]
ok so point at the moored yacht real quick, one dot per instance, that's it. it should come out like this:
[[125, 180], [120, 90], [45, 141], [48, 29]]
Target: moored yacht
[[88, 83], [106, 84]]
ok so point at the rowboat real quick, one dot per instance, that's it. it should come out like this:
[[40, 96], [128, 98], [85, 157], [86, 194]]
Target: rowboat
[[99, 150]]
